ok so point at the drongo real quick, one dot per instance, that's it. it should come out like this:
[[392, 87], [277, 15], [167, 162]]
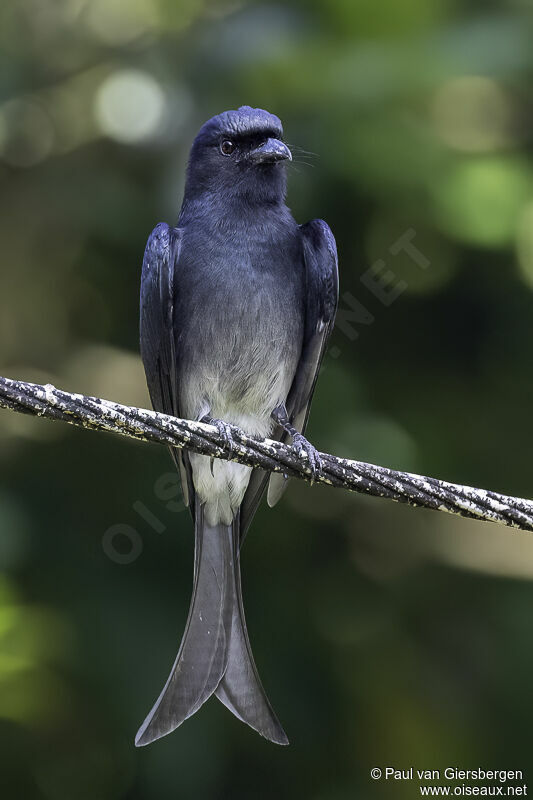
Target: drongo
[[237, 303]]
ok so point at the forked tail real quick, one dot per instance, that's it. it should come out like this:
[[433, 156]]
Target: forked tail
[[215, 654]]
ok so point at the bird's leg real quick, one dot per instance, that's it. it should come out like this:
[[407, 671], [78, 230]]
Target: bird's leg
[[224, 431], [299, 442]]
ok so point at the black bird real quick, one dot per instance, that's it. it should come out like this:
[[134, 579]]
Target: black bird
[[237, 303]]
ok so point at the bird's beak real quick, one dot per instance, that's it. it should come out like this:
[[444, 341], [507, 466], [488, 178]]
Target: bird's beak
[[269, 152]]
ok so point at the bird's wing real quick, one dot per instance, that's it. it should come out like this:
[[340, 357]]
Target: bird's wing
[[321, 267], [320, 257], [157, 332]]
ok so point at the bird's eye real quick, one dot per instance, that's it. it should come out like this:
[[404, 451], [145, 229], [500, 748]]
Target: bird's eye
[[227, 147]]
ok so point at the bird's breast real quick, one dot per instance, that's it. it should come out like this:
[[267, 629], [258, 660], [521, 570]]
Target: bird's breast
[[240, 340]]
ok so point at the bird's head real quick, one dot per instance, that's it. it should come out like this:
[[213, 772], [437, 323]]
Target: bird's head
[[240, 154]]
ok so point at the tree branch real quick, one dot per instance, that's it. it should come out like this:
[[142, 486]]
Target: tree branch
[[356, 476]]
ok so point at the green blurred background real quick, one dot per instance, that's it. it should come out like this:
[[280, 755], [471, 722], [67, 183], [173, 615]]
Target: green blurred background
[[384, 635]]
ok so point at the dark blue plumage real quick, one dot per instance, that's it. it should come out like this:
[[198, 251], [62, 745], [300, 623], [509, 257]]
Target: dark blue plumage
[[237, 302]]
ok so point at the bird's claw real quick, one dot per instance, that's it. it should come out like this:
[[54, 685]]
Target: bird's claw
[[224, 431], [299, 443]]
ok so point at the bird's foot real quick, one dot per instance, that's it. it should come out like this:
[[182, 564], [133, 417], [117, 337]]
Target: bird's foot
[[224, 431], [299, 442]]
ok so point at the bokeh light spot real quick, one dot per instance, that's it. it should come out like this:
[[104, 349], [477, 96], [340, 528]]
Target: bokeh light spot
[[129, 106], [480, 198], [472, 113], [116, 22]]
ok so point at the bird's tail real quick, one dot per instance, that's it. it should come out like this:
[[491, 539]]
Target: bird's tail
[[215, 654]]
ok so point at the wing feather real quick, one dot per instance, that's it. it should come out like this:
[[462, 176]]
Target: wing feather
[[161, 258], [320, 256]]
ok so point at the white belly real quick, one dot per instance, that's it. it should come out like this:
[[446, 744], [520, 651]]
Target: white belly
[[223, 488]]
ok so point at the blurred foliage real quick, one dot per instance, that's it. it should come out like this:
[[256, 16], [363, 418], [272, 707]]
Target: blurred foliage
[[385, 636]]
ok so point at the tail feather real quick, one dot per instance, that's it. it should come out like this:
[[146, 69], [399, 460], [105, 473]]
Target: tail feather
[[202, 657], [215, 654], [241, 689]]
